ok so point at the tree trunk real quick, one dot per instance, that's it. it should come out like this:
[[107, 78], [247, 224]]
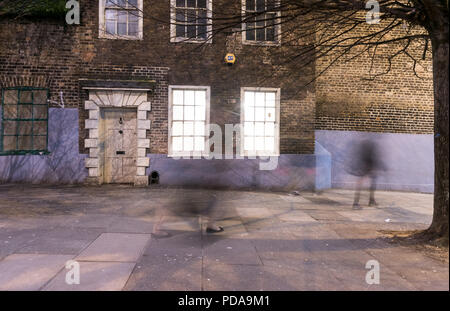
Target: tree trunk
[[439, 226]]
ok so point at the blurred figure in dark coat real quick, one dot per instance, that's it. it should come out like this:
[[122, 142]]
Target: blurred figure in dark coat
[[366, 163], [188, 203]]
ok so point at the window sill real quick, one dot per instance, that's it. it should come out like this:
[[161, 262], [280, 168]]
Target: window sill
[[118, 37], [262, 43], [8, 153], [185, 40]]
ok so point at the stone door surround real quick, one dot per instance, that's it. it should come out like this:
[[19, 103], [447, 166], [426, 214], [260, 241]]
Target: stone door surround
[[117, 98]]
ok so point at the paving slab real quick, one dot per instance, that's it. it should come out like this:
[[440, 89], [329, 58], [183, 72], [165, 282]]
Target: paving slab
[[230, 251], [254, 212], [180, 246], [370, 215], [170, 275], [268, 278], [29, 272], [94, 276], [131, 225], [123, 247], [327, 215], [61, 241], [296, 216]]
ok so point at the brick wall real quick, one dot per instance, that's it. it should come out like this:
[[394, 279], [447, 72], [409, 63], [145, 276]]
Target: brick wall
[[354, 95], [61, 55]]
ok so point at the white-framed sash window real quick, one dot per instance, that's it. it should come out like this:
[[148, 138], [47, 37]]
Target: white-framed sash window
[[121, 19], [260, 121], [191, 20]]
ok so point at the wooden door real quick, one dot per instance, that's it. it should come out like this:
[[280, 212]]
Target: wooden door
[[120, 145]]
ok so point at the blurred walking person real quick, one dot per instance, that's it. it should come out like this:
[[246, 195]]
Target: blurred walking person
[[366, 164]]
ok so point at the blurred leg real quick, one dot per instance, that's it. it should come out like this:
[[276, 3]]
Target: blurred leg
[[373, 186], [358, 192]]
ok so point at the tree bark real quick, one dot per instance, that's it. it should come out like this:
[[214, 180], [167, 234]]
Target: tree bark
[[439, 39]]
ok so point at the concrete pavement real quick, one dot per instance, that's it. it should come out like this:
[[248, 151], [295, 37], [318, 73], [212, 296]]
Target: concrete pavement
[[272, 241]]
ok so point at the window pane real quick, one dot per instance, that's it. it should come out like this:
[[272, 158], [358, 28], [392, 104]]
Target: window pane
[[24, 143], [259, 143], [122, 22], [270, 33], [191, 3], [9, 143], [10, 127], [133, 16], [200, 98], [178, 112], [189, 98], [177, 143], [270, 99], [39, 142], [269, 129], [110, 14], [188, 128], [40, 97], [11, 97], [180, 31], [26, 97], [200, 113], [188, 143], [25, 111], [132, 3], [191, 31], [270, 144], [40, 128], [249, 114], [111, 28], [177, 128], [178, 97], [260, 99], [250, 5], [199, 128], [110, 2], [249, 34], [260, 5], [271, 5], [260, 34], [9, 111], [249, 143], [201, 4], [189, 113], [259, 129], [133, 29], [259, 114], [25, 128], [270, 114], [249, 129], [181, 3], [199, 143], [249, 98]]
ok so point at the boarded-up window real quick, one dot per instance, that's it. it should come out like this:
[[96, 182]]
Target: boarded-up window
[[24, 121]]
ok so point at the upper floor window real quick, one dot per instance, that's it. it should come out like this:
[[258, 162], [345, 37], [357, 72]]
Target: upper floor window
[[261, 21], [24, 121], [191, 20], [121, 19], [260, 119]]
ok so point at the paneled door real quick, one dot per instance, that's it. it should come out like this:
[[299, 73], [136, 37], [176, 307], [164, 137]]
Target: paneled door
[[119, 132]]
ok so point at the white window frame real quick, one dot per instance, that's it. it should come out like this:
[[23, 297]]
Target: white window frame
[[206, 151], [102, 23], [173, 30], [255, 153], [277, 41]]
